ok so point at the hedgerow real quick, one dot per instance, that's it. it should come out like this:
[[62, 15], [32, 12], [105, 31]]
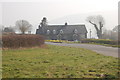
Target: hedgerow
[[101, 41], [17, 41]]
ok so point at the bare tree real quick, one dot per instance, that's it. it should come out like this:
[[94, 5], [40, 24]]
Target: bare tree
[[1, 29], [116, 28], [23, 26], [110, 34], [98, 22], [116, 31]]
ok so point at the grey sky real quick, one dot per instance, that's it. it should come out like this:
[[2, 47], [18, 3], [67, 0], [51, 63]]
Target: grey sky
[[34, 10]]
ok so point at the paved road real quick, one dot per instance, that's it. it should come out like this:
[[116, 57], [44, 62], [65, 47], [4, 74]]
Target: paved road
[[107, 51]]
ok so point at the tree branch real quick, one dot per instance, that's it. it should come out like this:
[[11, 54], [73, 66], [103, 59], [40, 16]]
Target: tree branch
[[94, 26]]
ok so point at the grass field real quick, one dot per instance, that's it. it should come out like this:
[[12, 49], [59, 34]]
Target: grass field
[[0, 63], [57, 62]]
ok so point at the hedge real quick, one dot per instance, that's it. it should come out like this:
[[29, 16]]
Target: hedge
[[17, 41], [101, 41]]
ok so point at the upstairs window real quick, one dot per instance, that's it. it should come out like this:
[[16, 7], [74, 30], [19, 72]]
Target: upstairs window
[[54, 31], [48, 32], [61, 31], [75, 31]]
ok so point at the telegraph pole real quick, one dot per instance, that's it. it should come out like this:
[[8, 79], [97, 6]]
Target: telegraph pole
[[90, 33]]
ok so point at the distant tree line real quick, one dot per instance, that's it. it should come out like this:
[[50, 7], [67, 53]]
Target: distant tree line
[[20, 25], [112, 34]]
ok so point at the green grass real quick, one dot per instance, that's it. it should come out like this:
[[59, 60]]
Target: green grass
[[0, 63], [57, 62]]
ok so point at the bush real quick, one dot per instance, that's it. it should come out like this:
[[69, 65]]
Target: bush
[[100, 41], [17, 41]]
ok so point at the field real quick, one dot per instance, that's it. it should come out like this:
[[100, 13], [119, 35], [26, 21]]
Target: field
[[0, 63], [57, 62]]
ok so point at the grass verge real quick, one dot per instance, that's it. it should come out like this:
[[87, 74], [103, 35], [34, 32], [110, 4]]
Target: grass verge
[[108, 45], [70, 42]]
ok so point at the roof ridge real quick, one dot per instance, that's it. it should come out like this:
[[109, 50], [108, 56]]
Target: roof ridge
[[68, 25]]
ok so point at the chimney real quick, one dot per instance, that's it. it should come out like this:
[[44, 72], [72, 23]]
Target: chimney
[[66, 24]]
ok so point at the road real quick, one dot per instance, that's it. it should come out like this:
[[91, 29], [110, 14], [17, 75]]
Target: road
[[107, 51]]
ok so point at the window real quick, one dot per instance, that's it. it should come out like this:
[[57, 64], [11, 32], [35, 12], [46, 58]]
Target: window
[[61, 31], [75, 37], [48, 31], [59, 36], [54, 31], [75, 31]]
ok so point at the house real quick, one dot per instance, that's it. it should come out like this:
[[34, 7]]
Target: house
[[63, 32], [8, 31]]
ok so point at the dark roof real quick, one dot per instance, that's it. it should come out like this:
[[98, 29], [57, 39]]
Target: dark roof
[[66, 29]]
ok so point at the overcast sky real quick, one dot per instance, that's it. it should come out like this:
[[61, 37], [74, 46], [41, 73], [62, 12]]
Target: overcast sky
[[34, 10]]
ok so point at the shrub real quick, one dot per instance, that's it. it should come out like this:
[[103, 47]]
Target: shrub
[[58, 41], [101, 41], [17, 41]]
